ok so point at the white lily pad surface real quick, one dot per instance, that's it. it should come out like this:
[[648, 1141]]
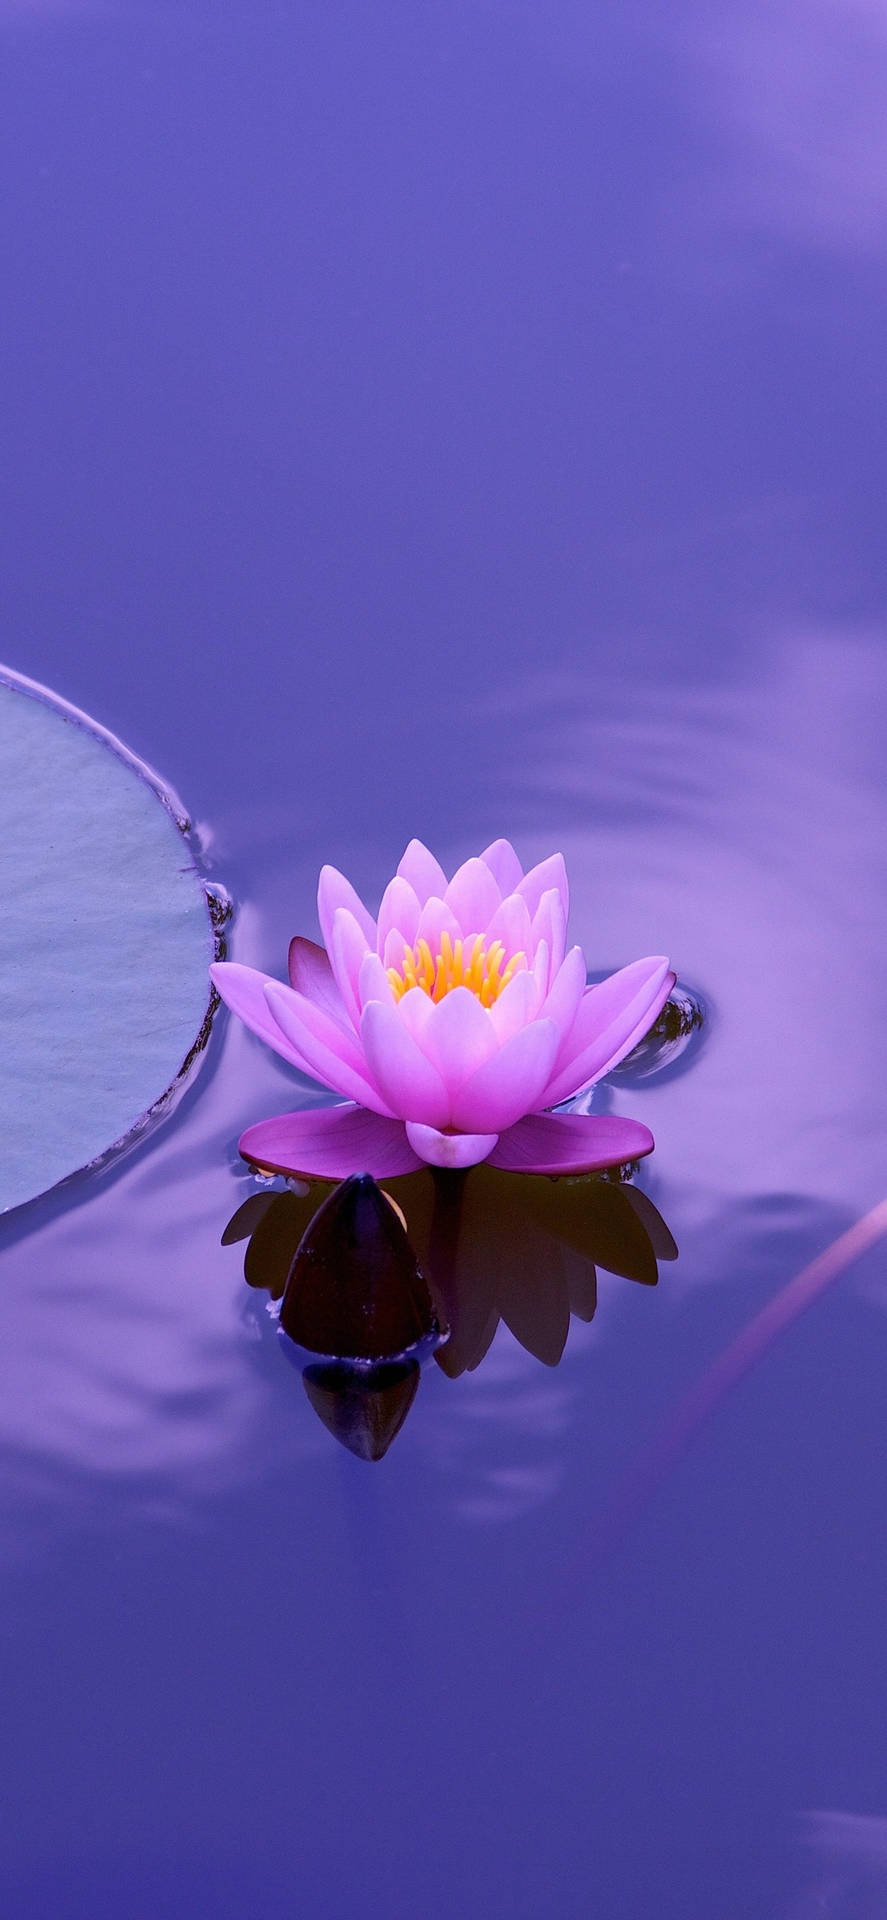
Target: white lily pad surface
[[106, 936]]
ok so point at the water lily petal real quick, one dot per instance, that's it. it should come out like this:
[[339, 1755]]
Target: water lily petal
[[510, 1083], [517, 1005], [415, 1009], [504, 865], [399, 907], [333, 1057], [396, 944], [333, 891], [473, 896], [549, 873], [408, 1083], [347, 950], [511, 925], [611, 1019], [310, 973], [568, 984], [437, 918], [330, 1143], [550, 924], [557, 1143], [425, 874], [243, 990], [458, 1037], [541, 969], [317, 1025], [449, 1149], [373, 982]]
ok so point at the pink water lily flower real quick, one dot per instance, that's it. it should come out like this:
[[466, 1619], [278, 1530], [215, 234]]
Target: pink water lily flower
[[450, 1025]]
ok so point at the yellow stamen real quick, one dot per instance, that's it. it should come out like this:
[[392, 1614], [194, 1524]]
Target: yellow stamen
[[481, 969]]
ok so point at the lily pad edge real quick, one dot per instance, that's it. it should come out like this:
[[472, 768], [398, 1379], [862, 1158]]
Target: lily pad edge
[[219, 906]]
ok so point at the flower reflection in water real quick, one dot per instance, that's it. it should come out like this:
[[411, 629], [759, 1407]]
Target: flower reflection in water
[[370, 1279]]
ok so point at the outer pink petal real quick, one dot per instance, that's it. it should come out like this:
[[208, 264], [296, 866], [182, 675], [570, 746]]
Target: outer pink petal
[[567, 987], [310, 973], [243, 990], [511, 925], [373, 982], [425, 874], [504, 865], [458, 1037], [556, 1143], [347, 951], [549, 873], [550, 924], [334, 1058], [517, 1005], [333, 890], [415, 1009], [449, 1149], [411, 1087], [473, 896], [316, 1024], [510, 1084], [329, 1143], [399, 907], [612, 1018]]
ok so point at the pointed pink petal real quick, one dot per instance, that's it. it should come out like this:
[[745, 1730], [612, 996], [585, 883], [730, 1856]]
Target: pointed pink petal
[[612, 1018], [511, 925], [415, 1008], [510, 1084], [333, 1057], [504, 865], [373, 982], [408, 1083], [550, 924], [333, 890], [549, 873], [425, 875], [473, 896], [517, 1005], [329, 1143], [316, 1025], [541, 969], [347, 950], [437, 918], [243, 990], [555, 1143], [567, 987], [458, 1037], [399, 907], [394, 949], [310, 973], [449, 1149]]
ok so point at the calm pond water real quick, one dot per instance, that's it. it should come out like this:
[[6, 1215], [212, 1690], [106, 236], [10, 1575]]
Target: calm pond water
[[462, 422]]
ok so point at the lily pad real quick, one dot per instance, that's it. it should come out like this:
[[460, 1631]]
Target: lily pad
[[106, 933]]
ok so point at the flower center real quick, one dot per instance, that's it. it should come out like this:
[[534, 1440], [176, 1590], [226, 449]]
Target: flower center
[[477, 967]]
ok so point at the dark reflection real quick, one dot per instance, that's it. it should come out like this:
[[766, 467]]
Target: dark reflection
[[363, 1407], [525, 1249], [371, 1278], [355, 1289]]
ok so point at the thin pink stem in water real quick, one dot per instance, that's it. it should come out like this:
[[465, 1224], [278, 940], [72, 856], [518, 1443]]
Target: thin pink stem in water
[[657, 1460]]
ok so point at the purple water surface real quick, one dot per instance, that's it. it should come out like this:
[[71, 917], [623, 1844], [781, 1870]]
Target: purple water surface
[[463, 420]]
